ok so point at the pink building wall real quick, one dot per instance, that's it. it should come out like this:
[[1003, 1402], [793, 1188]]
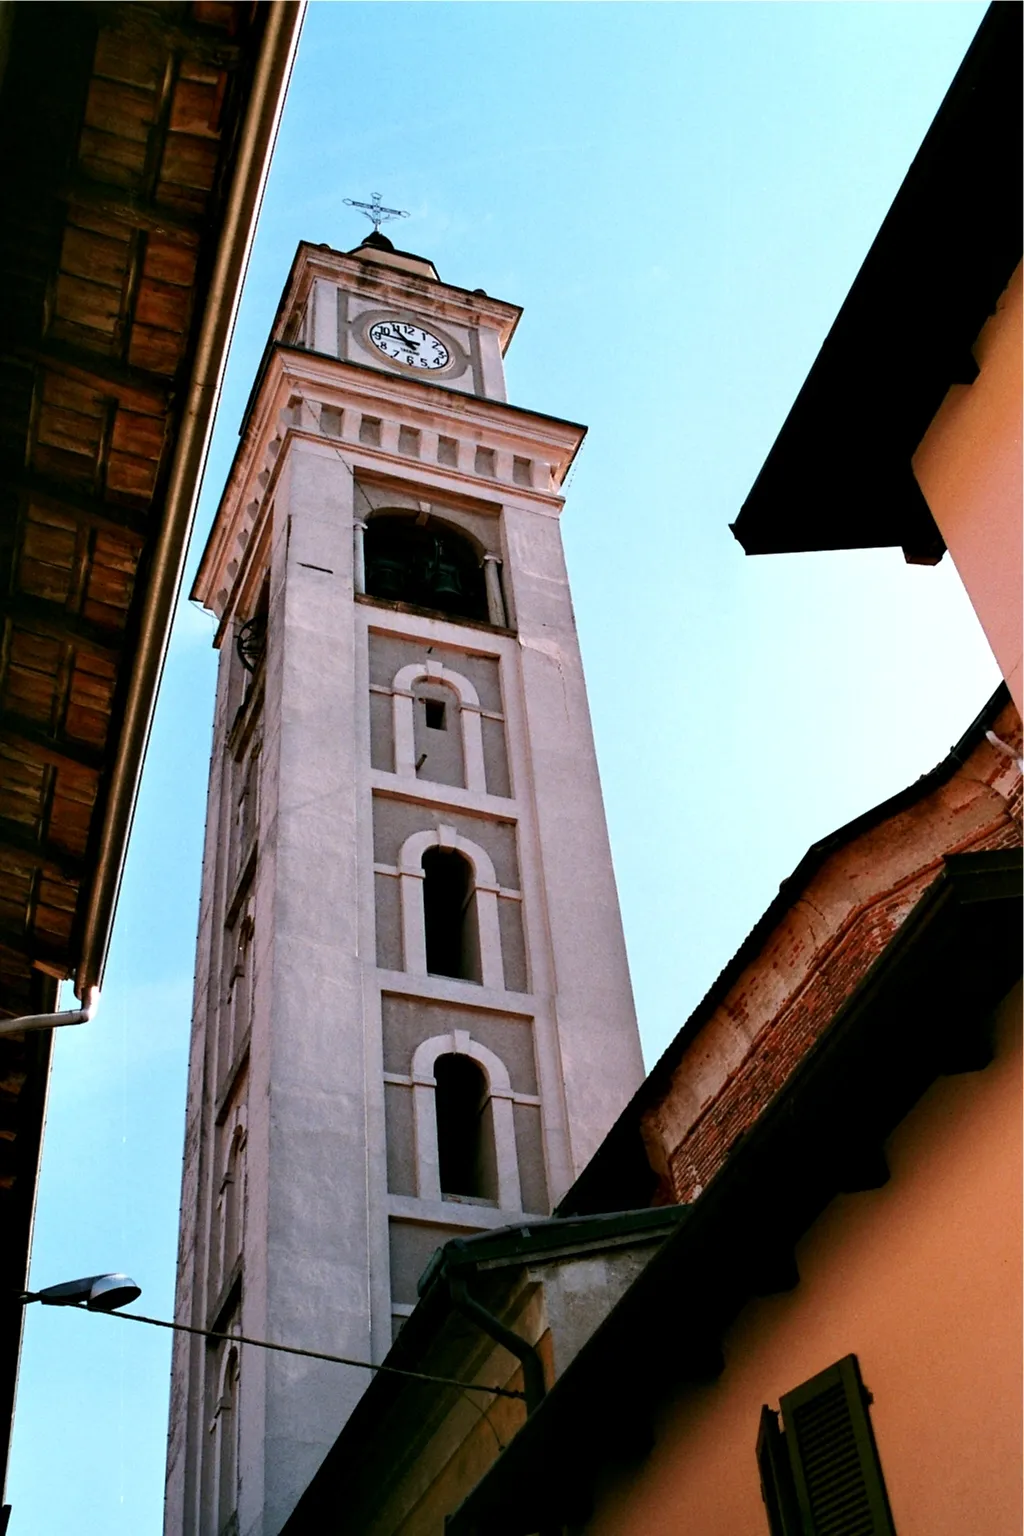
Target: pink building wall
[[921, 1279], [969, 467]]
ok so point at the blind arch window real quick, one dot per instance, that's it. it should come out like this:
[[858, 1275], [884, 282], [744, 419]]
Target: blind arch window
[[219, 1479], [416, 740]]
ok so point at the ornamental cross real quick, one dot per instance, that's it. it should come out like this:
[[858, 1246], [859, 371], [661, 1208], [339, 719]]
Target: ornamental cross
[[375, 212]]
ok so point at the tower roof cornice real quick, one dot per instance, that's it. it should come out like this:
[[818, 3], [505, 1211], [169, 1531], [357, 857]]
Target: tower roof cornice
[[397, 284], [294, 381]]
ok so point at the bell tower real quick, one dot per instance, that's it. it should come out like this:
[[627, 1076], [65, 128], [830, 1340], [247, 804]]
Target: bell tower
[[413, 1016]]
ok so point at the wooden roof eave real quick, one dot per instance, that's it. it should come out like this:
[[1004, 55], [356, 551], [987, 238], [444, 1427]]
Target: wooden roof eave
[[263, 112]]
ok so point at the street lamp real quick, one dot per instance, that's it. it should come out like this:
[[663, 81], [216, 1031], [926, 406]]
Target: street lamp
[[98, 1293], [106, 1293]]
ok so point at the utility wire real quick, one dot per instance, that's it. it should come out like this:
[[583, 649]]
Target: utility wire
[[314, 1354]]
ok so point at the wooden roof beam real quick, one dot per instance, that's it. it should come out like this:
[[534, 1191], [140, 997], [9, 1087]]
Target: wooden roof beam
[[137, 21], [93, 511], [55, 748], [95, 368], [53, 620], [40, 956], [137, 212], [41, 853]]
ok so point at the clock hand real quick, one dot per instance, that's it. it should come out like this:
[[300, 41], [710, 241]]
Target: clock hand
[[406, 341]]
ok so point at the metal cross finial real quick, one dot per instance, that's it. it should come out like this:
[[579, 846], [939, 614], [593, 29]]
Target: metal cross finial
[[376, 214]]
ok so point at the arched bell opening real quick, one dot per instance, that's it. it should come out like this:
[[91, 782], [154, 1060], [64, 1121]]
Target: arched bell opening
[[465, 1130], [426, 563], [450, 922]]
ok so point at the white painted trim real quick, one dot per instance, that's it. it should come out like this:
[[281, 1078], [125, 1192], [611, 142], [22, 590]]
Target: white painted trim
[[505, 892], [459, 1042], [463, 1215], [444, 796], [403, 1080], [468, 995]]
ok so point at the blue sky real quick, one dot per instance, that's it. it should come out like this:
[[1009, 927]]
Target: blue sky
[[680, 196]]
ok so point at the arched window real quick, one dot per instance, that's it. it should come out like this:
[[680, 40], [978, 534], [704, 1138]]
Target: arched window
[[467, 1164], [437, 725], [450, 922], [425, 563], [219, 1499], [232, 1194], [237, 1009], [460, 909], [465, 1134], [227, 1443]]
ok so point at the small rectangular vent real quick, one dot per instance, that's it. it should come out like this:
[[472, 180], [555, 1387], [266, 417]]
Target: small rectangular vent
[[447, 451], [485, 462], [330, 421], [369, 431], [521, 472], [409, 441]]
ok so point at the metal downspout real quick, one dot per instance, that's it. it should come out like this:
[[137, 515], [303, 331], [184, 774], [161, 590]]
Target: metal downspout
[[29, 1021], [533, 1368]]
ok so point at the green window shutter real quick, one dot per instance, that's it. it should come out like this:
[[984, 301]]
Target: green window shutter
[[777, 1489], [838, 1478]]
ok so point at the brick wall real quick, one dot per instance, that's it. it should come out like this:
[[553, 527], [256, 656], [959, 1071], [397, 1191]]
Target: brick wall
[[822, 947]]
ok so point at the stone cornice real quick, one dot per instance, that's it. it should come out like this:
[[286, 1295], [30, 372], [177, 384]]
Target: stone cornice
[[463, 306], [295, 388]]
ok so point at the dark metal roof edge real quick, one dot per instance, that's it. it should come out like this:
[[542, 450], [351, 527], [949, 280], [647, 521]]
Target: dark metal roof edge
[[656, 1080], [898, 499], [998, 874], [394, 251], [537, 1242]]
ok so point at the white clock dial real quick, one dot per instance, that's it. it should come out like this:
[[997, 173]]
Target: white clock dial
[[409, 344]]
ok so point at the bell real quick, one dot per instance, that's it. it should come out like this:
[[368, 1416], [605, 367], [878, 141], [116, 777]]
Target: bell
[[386, 577], [446, 580]]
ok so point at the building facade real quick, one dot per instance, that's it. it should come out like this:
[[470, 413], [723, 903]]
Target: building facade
[[413, 1017]]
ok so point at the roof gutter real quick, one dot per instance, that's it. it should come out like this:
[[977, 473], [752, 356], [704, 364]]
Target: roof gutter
[[256, 143]]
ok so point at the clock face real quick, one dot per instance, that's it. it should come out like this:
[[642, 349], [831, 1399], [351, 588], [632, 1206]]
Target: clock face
[[409, 344]]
